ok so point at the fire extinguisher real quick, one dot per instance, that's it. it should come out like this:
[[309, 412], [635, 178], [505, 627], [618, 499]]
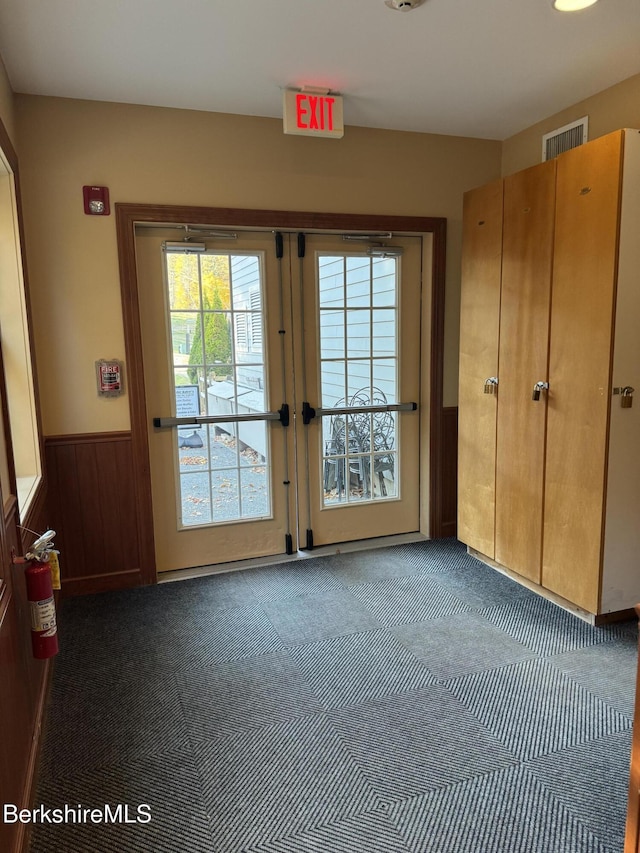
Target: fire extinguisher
[[44, 632]]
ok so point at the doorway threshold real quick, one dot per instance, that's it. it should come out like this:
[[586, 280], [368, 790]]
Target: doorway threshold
[[320, 551]]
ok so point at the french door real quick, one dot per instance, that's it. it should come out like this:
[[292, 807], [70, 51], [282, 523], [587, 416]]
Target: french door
[[359, 359], [281, 382]]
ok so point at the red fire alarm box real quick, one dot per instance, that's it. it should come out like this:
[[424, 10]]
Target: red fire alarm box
[[96, 201], [109, 377]]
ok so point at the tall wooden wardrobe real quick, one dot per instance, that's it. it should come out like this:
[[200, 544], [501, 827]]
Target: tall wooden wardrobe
[[549, 431]]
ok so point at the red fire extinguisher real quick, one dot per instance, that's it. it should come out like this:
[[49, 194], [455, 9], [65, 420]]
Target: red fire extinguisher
[[44, 632]]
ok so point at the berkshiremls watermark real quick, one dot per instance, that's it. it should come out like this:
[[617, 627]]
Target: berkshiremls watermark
[[108, 813]]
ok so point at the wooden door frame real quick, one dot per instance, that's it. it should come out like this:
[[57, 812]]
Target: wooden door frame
[[129, 215], [25, 681]]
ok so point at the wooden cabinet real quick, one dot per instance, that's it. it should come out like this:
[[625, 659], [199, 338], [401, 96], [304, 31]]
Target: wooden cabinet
[[506, 277], [479, 339], [523, 361], [563, 471], [591, 293]]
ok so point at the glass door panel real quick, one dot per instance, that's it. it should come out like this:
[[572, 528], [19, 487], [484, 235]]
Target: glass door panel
[[218, 372], [362, 342], [217, 465], [359, 450], [219, 367]]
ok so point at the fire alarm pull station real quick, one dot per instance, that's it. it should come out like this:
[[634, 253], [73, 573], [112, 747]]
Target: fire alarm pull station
[[109, 377]]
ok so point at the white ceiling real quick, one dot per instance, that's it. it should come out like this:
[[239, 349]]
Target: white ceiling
[[485, 68]]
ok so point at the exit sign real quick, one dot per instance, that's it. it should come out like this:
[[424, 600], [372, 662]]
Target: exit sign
[[309, 113]]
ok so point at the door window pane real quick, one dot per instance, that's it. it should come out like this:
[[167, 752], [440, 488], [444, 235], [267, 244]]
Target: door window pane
[[254, 491], [332, 334], [359, 382], [384, 379], [245, 274], [358, 282], [384, 332], [216, 282], [225, 496], [358, 333], [384, 478], [219, 368], [184, 330], [254, 439], [359, 449], [183, 281], [384, 281], [217, 352], [333, 378], [196, 498], [331, 281]]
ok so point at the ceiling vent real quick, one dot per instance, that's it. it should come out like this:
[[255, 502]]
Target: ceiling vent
[[564, 138]]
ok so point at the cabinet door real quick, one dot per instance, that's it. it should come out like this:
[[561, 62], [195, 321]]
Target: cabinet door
[[584, 270], [620, 587], [479, 335], [527, 252], [632, 828]]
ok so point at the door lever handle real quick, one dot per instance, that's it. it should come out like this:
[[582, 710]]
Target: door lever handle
[[537, 388]]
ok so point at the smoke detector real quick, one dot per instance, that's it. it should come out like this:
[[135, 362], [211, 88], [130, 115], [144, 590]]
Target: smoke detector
[[403, 5]]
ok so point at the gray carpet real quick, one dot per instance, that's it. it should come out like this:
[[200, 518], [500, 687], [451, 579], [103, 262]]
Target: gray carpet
[[406, 700]]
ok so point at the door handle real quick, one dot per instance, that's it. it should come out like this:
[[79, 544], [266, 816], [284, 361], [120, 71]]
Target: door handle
[[281, 415], [308, 412]]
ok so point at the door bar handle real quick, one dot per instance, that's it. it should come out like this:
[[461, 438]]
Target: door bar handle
[[281, 415], [308, 413]]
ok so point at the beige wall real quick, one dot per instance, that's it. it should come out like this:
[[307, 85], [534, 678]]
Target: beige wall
[[610, 110], [15, 336], [7, 104], [155, 155]]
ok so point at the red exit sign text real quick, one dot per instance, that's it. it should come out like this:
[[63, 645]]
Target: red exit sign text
[[313, 114]]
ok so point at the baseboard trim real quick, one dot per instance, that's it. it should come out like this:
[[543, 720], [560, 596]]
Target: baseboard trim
[[449, 529], [615, 616], [534, 587], [90, 584], [24, 830], [592, 618], [320, 551]]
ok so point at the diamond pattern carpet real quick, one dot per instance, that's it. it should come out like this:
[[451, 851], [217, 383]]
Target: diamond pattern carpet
[[403, 700]]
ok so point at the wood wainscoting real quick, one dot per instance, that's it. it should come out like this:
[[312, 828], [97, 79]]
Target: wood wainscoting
[[449, 485], [94, 509], [24, 681]]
